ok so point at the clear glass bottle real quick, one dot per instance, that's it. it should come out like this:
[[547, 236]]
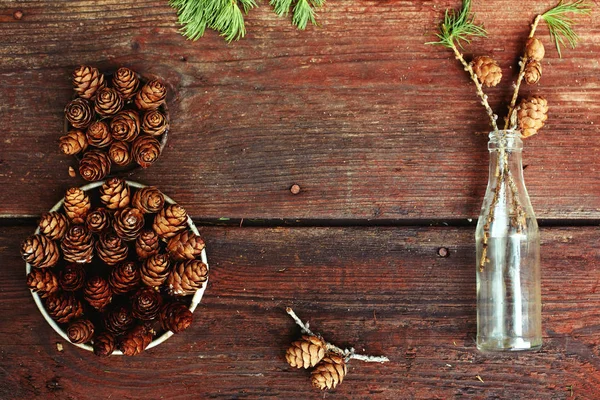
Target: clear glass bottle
[[509, 304]]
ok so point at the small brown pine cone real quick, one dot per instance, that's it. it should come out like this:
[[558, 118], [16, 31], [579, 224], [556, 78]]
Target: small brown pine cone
[[98, 134], [114, 193], [306, 352], [148, 200], [98, 220], [146, 303], [97, 292], [329, 373], [42, 281], [126, 82], [187, 277], [111, 249], [77, 205], [487, 70], [108, 102], [185, 246], [128, 222], [533, 72], [86, 81], [155, 123], [152, 95], [80, 331], [145, 150], [78, 113], [532, 114], [124, 278], [78, 245], [119, 154], [155, 269], [63, 307], [104, 344], [53, 225], [72, 278], [40, 252], [175, 317], [534, 49], [73, 142], [118, 320], [94, 166], [125, 126], [170, 221], [136, 340], [146, 244]]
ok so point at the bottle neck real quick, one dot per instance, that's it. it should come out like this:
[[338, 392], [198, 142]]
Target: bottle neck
[[506, 153]]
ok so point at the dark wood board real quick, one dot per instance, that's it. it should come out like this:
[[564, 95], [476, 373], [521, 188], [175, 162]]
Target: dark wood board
[[382, 290], [366, 118]]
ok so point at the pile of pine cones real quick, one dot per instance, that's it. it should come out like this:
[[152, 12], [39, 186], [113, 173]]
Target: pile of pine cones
[[116, 124], [125, 268]]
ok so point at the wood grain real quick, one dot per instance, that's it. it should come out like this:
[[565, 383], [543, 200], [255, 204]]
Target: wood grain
[[366, 118], [382, 290]]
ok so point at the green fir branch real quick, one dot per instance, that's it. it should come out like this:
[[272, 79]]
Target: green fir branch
[[459, 27], [560, 25], [303, 10]]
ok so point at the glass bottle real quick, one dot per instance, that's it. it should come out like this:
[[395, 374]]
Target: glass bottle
[[509, 304]]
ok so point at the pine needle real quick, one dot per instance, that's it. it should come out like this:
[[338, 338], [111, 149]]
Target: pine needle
[[560, 25], [459, 27], [303, 10]]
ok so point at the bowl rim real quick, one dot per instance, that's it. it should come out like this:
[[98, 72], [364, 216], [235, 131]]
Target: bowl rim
[[195, 299]]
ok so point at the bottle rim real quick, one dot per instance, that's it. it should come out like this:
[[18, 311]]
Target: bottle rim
[[509, 139]]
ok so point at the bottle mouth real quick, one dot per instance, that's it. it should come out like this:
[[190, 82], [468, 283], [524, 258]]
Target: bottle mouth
[[509, 139]]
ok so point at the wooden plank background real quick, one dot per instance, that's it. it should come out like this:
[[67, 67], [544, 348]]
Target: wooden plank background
[[379, 130]]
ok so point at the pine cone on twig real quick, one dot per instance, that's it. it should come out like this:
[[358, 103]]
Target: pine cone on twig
[[78, 245], [111, 249], [155, 270], [128, 222], [152, 95], [487, 70], [145, 150], [94, 165], [98, 134], [124, 278], [98, 220], [97, 292], [185, 246], [307, 352], [104, 344], [86, 81], [175, 317], [532, 114], [108, 102], [53, 225], [42, 281], [155, 123], [115, 194], [136, 340], [78, 113], [146, 303], [125, 82], [187, 277], [76, 205], [125, 126], [72, 278], [534, 49], [40, 252], [146, 244], [119, 154], [148, 200], [170, 221], [118, 320], [533, 72], [329, 373], [73, 142], [80, 331], [63, 307]]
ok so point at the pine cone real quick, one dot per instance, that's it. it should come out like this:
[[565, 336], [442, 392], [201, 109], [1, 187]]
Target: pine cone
[[80, 331], [155, 123], [306, 352], [40, 252], [329, 373], [77, 204], [73, 142], [104, 344], [42, 281], [155, 269], [187, 277], [72, 278], [124, 278], [78, 245], [111, 249], [487, 70], [118, 320], [108, 102], [148, 200], [170, 221], [128, 222], [63, 307], [97, 292], [146, 303], [145, 150], [119, 153], [87, 81], [126, 82], [152, 95], [532, 114], [175, 317], [94, 166], [98, 220], [533, 72], [125, 126], [98, 134], [185, 246], [136, 340], [78, 113], [114, 193], [53, 225], [534, 49], [146, 244]]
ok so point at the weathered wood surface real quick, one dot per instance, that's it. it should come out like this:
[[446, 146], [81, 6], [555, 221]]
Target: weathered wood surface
[[383, 290], [366, 118]]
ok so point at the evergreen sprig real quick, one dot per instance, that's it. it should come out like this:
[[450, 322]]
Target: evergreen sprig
[[560, 25], [459, 26], [304, 10]]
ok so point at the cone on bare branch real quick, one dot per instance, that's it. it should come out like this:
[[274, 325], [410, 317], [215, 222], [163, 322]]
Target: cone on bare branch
[[42, 281], [187, 277], [111, 249], [98, 134], [148, 200], [487, 70], [146, 303], [532, 114], [125, 82], [329, 372], [72, 278], [78, 113], [155, 269], [115, 194], [125, 126], [98, 220], [146, 244], [77, 205], [73, 142], [97, 292], [78, 245], [533, 72], [104, 344], [152, 95], [136, 340], [185, 246], [63, 307], [119, 153], [40, 252], [108, 102], [124, 278], [306, 352], [86, 81], [80, 331], [175, 317], [53, 225], [170, 221], [534, 49], [128, 222], [94, 166]]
